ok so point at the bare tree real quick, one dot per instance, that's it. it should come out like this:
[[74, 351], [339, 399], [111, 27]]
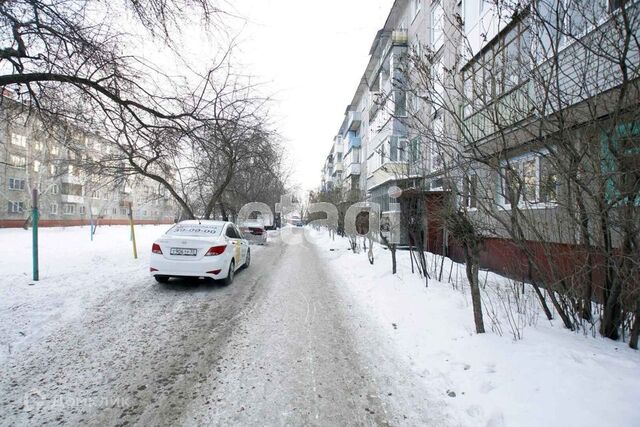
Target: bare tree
[[66, 61], [545, 125]]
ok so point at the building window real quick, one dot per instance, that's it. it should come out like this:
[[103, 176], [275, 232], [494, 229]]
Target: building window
[[620, 164], [526, 180], [414, 155], [19, 140], [38, 145], [402, 149], [16, 207], [548, 181], [16, 184], [55, 151], [500, 69], [68, 208], [416, 6], [53, 169], [19, 162], [393, 149], [114, 211], [83, 210], [400, 103], [55, 189], [435, 155], [54, 209], [436, 25], [36, 166], [470, 191]]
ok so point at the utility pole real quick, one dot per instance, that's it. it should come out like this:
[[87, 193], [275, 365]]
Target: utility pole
[[35, 216]]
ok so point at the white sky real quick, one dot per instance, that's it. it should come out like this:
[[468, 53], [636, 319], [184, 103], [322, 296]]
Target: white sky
[[311, 55]]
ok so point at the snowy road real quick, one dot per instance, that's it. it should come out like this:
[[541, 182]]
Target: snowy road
[[281, 346]]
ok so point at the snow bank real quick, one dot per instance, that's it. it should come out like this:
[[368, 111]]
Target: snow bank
[[551, 377], [74, 271]]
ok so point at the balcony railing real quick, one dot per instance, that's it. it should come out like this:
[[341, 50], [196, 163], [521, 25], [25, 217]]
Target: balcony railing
[[69, 178], [71, 198], [353, 169]]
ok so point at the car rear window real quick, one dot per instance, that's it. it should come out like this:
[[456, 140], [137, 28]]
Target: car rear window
[[195, 230]]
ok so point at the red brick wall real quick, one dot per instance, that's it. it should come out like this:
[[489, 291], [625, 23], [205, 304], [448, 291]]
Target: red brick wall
[[554, 262], [18, 223]]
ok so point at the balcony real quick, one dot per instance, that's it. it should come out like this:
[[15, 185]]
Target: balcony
[[354, 120], [69, 178], [353, 169], [353, 142], [70, 198], [400, 37]]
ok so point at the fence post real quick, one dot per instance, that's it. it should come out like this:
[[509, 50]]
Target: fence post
[[133, 232], [35, 216]]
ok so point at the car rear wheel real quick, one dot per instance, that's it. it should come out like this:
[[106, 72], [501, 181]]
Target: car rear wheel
[[232, 270], [161, 279]]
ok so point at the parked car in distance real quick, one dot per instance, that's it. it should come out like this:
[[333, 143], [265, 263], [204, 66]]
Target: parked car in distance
[[254, 232], [207, 249]]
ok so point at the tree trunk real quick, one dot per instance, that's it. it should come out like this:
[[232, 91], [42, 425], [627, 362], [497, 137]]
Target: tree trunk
[[394, 264], [223, 212], [472, 260], [536, 288], [612, 287], [218, 193], [587, 289], [635, 329]]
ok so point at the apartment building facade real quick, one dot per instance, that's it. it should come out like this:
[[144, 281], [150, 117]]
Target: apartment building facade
[[511, 91], [68, 193], [382, 152]]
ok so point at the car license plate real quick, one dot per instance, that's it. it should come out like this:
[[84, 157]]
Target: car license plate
[[184, 252]]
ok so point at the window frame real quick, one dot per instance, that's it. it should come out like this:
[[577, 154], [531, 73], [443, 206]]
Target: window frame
[[436, 5], [523, 201], [17, 161], [15, 137], [66, 211], [11, 184], [15, 207]]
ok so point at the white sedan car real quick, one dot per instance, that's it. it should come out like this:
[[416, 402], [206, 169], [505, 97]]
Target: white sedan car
[[208, 249]]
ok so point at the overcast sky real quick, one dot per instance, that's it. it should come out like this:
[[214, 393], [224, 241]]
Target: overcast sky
[[311, 54]]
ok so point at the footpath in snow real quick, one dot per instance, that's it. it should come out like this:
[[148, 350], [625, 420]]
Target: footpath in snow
[[549, 377]]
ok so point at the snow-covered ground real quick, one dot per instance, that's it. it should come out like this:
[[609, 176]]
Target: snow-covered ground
[[74, 271], [550, 377], [413, 350]]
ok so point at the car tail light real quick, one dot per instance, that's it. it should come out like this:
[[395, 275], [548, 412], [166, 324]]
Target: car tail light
[[156, 249], [216, 250], [257, 231], [214, 272]]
